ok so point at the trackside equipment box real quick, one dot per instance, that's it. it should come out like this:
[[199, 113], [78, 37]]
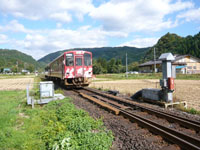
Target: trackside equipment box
[[46, 89]]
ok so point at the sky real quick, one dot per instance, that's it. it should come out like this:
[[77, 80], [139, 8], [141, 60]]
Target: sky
[[40, 27]]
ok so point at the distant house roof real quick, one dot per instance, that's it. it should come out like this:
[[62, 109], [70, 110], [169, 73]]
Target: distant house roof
[[177, 57], [25, 71], [6, 70], [150, 63]]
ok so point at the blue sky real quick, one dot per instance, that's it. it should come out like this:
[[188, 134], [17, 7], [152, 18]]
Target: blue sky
[[38, 28]]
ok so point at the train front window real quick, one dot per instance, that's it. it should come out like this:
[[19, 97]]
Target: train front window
[[87, 59], [78, 61], [69, 59]]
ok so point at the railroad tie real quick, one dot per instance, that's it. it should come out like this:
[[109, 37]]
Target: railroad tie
[[99, 102]]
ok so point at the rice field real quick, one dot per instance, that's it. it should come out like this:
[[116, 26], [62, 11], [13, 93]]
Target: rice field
[[185, 90]]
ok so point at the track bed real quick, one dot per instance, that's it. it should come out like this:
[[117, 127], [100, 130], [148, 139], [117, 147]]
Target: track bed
[[128, 135]]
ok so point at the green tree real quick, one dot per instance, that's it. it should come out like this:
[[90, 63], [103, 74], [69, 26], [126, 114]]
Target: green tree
[[134, 66]]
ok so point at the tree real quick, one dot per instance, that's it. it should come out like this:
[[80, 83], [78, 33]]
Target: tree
[[134, 66], [31, 68]]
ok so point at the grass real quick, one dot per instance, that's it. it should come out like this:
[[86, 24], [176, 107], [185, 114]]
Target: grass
[[130, 76], [11, 76], [188, 110], [145, 76], [57, 125]]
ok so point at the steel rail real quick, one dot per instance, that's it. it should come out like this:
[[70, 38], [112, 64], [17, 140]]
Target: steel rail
[[183, 140], [170, 117]]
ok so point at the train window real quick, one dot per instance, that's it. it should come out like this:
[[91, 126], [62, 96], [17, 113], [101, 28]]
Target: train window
[[69, 59], [78, 61], [87, 59]]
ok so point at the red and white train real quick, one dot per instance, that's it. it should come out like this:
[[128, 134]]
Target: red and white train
[[72, 68]]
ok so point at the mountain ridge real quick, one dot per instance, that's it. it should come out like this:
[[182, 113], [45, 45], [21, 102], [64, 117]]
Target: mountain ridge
[[175, 44], [16, 60], [134, 54]]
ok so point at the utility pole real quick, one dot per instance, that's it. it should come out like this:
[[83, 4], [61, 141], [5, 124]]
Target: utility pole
[[126, 66], [17, 66], [154, 59]]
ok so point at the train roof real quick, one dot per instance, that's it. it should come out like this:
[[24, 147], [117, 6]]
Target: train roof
[[76, 51], [69, 51]]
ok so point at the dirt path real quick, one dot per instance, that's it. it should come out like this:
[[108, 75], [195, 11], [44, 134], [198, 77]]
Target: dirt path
[[185, 90], [15, 84]]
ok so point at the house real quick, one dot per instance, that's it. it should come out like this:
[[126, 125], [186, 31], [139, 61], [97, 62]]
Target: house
[[25, 71], [185, 64], [7, 70]]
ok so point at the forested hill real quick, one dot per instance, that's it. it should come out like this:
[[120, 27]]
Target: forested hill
[[10, 59], [176, 45], [134, 54]]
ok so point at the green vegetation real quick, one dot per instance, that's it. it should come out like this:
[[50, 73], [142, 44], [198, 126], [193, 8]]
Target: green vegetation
[[122, 76], [60, 91], [167, 43], [188, 76], [134, 54], [17, 61], [113, 66], [176, 45], [188, 110], [57, 125], [11, 76]]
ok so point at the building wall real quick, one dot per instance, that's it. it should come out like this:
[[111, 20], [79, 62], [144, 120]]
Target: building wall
[[150, 68], [193, 65], [145, 69]]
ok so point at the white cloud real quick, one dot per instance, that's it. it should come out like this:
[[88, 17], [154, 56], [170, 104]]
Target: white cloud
[[40, 43], [58, 25], [14, 26], [138, 15], [190, 15], [141, 42], [3, 39], [56, 9], [62, 16]]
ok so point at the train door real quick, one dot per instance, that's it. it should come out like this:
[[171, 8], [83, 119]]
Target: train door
[[79, 71]]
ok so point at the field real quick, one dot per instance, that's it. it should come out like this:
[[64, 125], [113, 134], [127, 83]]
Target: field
[[15, 83], [185, 90]]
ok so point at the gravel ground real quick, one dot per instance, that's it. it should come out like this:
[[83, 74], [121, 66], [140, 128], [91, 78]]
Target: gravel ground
[[128, 135]]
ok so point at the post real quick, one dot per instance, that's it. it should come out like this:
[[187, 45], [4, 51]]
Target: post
[[27, 94], [17, 66], [126, 66], [167, 75], [154, 60]]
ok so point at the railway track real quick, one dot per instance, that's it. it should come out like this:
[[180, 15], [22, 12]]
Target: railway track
[[124, 107]]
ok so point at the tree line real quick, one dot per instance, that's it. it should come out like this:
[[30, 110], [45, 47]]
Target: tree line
[[175, 44], [17, 61], [102, 66]]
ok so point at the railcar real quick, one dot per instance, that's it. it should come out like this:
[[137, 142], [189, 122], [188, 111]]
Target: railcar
[[72, 68]]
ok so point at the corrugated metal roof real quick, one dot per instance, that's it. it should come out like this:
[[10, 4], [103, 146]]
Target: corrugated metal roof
[[150, 63]]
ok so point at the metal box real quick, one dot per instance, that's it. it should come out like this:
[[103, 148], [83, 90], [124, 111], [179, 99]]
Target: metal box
[[46, 89], [152, 94]]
